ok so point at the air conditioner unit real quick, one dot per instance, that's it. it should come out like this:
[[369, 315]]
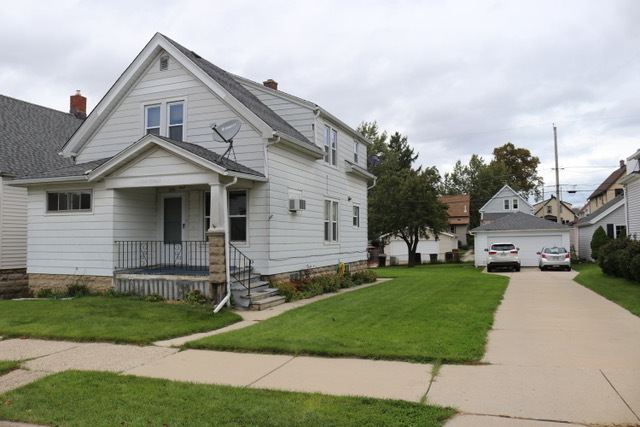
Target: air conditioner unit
[[297, 205]]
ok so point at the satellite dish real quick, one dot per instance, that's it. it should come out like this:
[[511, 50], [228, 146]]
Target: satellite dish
[[226, 131]]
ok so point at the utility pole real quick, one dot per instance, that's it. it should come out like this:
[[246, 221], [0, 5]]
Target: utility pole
[[555, 149]]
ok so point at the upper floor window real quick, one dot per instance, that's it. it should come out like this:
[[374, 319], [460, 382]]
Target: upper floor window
[[330, 146], [514, 204], [69, 201], [356, 149], [507, 204], [356, 216], [166, 120], [152, 120], [549, 209]]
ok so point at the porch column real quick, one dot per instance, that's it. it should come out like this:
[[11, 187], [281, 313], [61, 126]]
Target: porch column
[[216, 215], [217, 265]]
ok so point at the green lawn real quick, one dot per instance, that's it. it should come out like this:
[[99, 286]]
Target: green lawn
[[120, 320], [8, 366], [97, 399], [623, 292], [428, 313]]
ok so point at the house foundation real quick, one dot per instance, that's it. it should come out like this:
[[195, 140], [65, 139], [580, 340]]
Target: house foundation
[[316, 271], [14, 283], [59, 282]]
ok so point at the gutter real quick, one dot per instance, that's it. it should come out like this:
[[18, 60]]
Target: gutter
[[227, 298]]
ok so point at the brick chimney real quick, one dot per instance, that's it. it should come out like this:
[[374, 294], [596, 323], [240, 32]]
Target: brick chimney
[[78, 105], [271, 84], [621, 163]]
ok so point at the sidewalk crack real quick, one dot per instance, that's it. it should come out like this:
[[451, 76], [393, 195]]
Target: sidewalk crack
[[619, 395], [271, 371]]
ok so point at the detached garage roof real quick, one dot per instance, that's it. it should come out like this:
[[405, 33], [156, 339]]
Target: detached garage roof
[[520, 221]]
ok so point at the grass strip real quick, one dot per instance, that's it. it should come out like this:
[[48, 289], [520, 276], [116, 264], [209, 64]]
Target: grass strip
[[7, 366], [427, 313], [75, 398], [621, 291], [95, 318]]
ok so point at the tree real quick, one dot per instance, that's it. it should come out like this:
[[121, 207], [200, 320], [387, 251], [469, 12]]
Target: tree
[[479, 180], [522, 169], [405, 155], [598, 240], [405, 204]]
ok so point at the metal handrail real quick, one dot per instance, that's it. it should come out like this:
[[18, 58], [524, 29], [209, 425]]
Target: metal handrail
[[240, 268]]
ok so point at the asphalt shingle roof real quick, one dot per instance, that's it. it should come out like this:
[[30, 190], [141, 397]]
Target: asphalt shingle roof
[[239, 92], [520, 221], [611, 180], [31, 137], [586, 220]]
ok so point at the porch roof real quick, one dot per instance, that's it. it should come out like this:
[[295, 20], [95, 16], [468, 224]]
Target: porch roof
[[81, 171]]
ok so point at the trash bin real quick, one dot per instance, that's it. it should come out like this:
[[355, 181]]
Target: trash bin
[[393, 260], [456, 255], [433, 258], [448, 256], [418, 258], [382, 260]]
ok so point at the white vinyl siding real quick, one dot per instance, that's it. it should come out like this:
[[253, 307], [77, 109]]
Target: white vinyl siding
[[632, 198], [528, 241], [585, 232], [13, 226]]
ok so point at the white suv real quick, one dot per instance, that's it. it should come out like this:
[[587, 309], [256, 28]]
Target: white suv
[[503, 255]]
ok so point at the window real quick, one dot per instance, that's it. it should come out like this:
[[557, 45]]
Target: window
[[330, 221], [152, 120], [175, 119], [207, 210], [356, 216], [330, 146], [69, 201], [164, 63], [238, 216], [507, 205], [618, 192], [621, 230], [514, 204], [165, 119], [549, 209], [355, 152], [452, 229]]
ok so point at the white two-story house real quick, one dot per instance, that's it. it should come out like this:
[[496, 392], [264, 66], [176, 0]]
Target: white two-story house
[[152, 190]]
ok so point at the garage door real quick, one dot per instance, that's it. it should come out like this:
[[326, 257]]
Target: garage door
[[529, 245]]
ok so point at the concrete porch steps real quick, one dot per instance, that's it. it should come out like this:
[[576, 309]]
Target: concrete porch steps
[[265, 303]]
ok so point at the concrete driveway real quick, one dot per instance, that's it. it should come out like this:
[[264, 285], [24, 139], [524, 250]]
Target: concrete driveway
[[558, 352]]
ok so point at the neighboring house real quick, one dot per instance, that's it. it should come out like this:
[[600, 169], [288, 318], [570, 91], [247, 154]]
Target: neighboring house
[[459, 212], [31, 137], [547, 209], [504, 202], [149, 181], [611, 217], [445, 243], [631, 183], [529, 233], [608, 190]]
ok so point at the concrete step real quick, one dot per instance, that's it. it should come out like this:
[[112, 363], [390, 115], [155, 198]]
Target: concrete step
[[267, 302], [262, 293]]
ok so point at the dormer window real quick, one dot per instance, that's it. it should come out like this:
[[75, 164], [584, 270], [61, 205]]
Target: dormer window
[[514, 204]]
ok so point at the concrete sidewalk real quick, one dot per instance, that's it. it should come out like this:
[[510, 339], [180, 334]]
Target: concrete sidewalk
[[558, 355], [557, 352]]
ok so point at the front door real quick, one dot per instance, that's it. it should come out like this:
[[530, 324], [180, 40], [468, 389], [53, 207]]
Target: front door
[[173, 225]]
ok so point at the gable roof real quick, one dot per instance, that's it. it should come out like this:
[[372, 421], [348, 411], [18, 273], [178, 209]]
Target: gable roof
[[544, 203], [509, 189], [458, 206], [520, 221], [599, 214], [610, 181], [249, 107], [98, 168], [31, 137]]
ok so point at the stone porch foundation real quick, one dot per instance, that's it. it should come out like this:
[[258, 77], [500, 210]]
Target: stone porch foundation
[[316, 271], [59, 282]]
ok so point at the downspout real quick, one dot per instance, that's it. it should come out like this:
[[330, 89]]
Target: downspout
[[375, 181], [225, 221]]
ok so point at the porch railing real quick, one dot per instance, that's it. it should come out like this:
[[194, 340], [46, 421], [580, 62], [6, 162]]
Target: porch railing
[[240, 267], [156, 255]]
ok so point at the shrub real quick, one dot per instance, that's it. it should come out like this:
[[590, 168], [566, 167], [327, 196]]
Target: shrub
[[154, 298], [365, 276], [329, 282], [598, 240], [288, 289], [634, 268], [44, 293], [195, 297], [312, 289], [76, 290], [346, 281]]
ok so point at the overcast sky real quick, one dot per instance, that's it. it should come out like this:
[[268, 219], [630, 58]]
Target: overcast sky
[[456, 77]]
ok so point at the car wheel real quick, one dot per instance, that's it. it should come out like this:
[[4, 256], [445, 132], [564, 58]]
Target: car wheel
[[568, 268]]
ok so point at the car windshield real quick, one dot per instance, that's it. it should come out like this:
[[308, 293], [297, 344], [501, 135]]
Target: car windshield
[[507, 247], [555, 251]]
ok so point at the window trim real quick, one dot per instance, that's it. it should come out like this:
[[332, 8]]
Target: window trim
[[506, 204], [331, 221], [70, 210], [356, 152], [514, 204], [330, 145], [245, 216], [356, 216], [165, 109]]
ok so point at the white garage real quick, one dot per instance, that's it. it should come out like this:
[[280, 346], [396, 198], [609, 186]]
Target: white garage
[[446, 242], [529, 233]]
